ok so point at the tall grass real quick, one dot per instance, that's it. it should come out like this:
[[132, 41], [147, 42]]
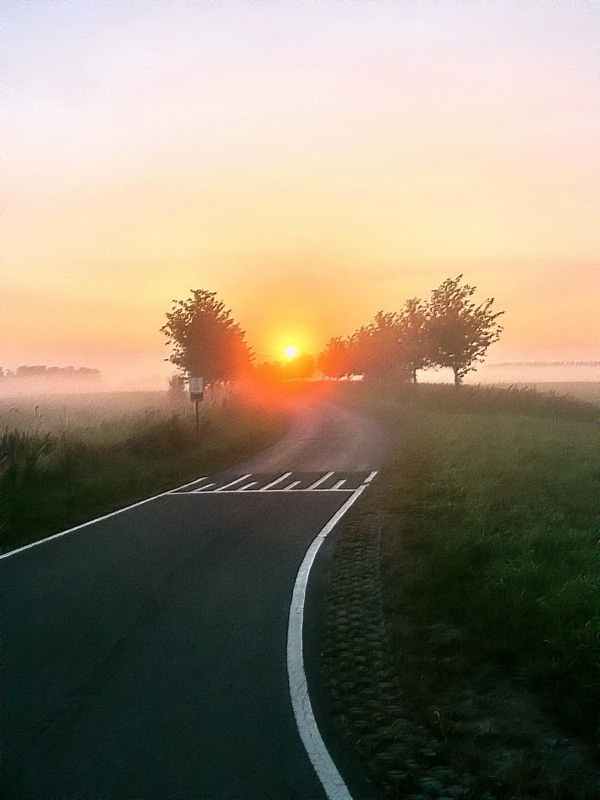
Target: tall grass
[[70, 461], [491, 499]]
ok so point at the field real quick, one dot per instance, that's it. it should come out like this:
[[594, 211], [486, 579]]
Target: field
[[581, 390], [64, 460], [464, 629]]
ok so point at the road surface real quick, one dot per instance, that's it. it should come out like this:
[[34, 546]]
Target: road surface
[[146, 655]]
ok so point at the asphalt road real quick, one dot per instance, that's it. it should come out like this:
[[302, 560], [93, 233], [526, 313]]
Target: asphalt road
[[144, 655]]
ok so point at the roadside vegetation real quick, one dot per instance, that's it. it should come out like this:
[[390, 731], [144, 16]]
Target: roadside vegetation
[[471, 572], [66, 460]]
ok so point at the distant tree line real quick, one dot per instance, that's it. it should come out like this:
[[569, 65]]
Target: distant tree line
[[450, 330], [545, 364], [62, 373]]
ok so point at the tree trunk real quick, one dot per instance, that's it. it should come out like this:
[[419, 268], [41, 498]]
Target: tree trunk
[[457, 378]]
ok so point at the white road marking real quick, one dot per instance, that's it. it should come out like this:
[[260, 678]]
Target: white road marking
[[200, 480], [330, 778], [168, 493], [267, 491], [371, 476], [339, 484], [200, 489], [247, 486], [281, 478], [320, 481], [291, 486], [232, 483]]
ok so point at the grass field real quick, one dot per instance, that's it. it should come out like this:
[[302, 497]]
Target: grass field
[[486, 519], [64, 460]]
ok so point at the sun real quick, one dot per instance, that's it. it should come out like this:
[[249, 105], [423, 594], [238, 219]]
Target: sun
[[291, 351]]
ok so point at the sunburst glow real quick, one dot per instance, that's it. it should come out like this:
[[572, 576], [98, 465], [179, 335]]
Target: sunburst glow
[[291, 351]]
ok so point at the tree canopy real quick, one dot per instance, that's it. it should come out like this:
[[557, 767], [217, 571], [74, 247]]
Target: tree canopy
[[206, 340], [450, 330], [458, 331]]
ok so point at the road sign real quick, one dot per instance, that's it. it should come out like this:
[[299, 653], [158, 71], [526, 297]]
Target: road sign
[[196, 388]]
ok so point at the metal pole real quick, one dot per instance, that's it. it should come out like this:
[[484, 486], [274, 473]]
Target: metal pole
[[197, 423]]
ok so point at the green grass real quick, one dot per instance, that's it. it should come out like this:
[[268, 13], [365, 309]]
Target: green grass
[[489, 555], [88, 456]]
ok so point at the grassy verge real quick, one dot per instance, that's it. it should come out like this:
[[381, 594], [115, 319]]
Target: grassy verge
[[489, 580], [53, 480]]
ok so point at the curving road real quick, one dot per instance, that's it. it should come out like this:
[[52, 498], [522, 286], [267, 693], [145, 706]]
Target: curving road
[[144, 654]]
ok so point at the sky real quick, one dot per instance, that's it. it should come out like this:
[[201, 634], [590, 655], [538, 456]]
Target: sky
[[311, 162]]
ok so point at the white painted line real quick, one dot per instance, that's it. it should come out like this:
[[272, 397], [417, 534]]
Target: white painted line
[[247, 486], [201, 488], [330, 778], [282, 478], [267, 491], [371, 476], [237, 480], [185, 485], [339, 484], [291, 486], [168, 493], [191, 484], [320, 481]]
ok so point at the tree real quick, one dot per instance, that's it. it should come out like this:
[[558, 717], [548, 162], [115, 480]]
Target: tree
[[376, 348], [298, 368], [458, 331], [413, 345], [176, 392], [334, 361], [206, 340], [393, 345]]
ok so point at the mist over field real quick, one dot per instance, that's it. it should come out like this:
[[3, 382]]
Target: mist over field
[[264, 264]]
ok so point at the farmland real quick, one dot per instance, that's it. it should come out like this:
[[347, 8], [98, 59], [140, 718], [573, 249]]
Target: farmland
[[66, 459], [468, 583]]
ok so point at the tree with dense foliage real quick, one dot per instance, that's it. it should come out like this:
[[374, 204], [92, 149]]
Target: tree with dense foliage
[[335, 361], [458, 331], [206, 340], [300, 367], [413, 344], [377, 349]]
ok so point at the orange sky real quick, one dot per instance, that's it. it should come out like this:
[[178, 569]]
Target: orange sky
[[312, 163]]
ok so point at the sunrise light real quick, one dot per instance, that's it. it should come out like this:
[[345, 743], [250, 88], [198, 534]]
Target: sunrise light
[[291, 351]]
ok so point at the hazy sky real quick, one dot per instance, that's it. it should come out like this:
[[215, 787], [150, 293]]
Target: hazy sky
[[312, 162]]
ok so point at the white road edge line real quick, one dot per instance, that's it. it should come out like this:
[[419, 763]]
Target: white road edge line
[[99, 519], [321, 480], [277, 480], [330, 778], [200, 489], [291, 486]]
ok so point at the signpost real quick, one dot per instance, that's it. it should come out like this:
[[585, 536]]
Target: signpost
[[196, 395]]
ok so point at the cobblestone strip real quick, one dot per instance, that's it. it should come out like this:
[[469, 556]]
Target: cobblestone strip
[[368, 703]]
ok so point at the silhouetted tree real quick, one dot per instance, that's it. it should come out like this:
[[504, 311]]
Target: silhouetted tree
[[206, 340], [393, 345], [335, 360], [375, 347], [413, 342], [458, 331], [176, 391], [300, 367]]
